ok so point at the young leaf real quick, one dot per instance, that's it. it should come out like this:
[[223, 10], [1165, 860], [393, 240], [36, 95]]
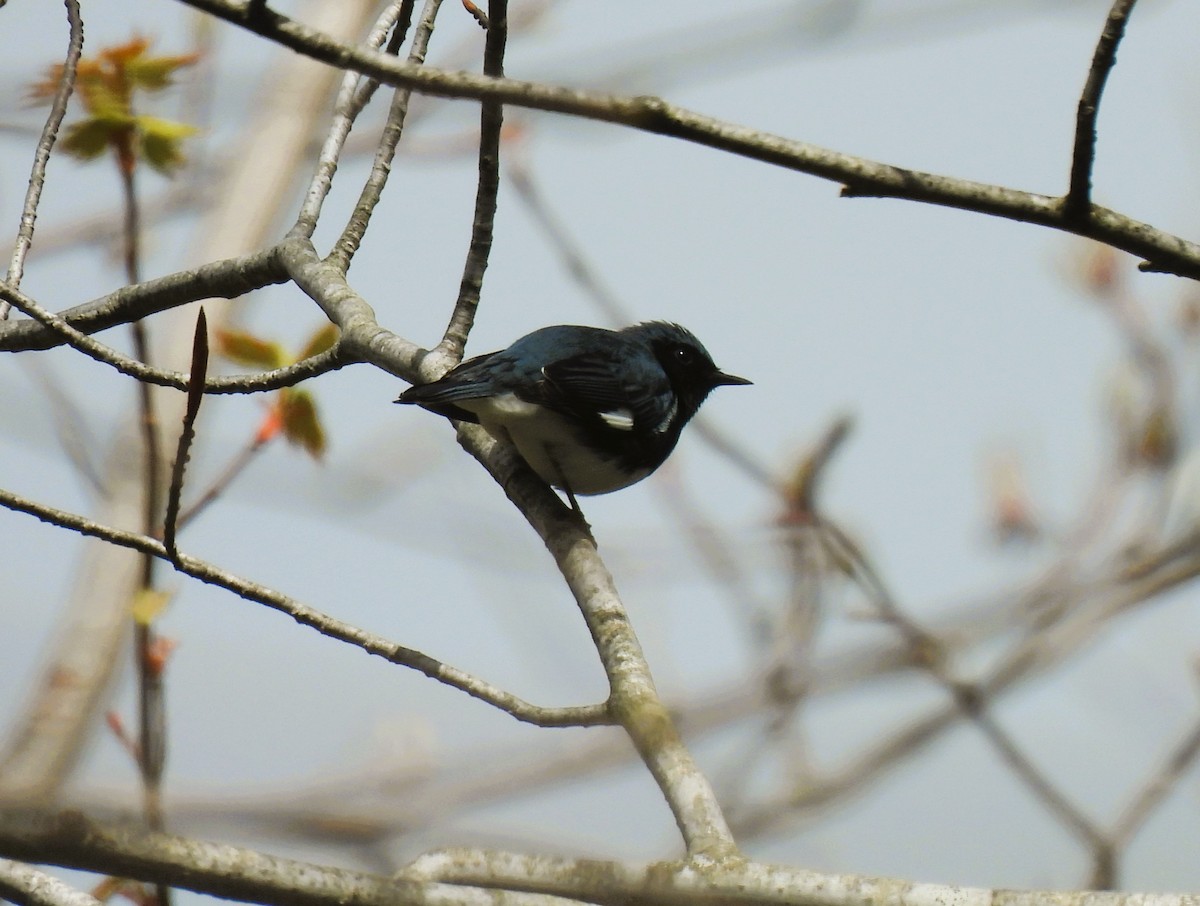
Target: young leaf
[[156, 73], [89, 138], [301, 425], [247, 349], [162, 142], [319, 342], [148, 603]]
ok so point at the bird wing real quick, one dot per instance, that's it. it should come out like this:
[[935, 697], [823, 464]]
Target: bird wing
[[466, 381], [588, 386]]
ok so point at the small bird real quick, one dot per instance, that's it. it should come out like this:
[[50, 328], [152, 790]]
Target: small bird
[[590, 410]]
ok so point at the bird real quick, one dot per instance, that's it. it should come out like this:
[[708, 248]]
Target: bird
[[590, 410]]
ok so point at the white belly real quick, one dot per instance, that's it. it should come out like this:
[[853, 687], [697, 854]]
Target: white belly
[[544, 441]]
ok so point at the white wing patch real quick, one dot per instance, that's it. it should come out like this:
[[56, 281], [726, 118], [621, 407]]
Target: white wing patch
[[621, 419], [671, 413]]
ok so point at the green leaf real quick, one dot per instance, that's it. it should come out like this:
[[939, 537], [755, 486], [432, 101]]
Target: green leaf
[[247, 349], [162, 142], [90, 138], [147, 604], [319, 342], [156, 73], [301, 425]]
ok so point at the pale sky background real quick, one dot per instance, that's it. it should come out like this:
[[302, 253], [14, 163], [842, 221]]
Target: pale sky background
[[945, 334]]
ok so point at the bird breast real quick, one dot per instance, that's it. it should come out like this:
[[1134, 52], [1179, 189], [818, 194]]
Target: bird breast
[[553, 447]]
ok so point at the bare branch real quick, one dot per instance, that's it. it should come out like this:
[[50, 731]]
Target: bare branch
[[585, 715], [1162, 251], [225, 279], [351, 100], [381, 167], [730, 881], [1166, 778], [634, 702], [971, 698], [491, 121], [332, 359], [27, 886], [1079, 196], [37, 178], [187, 435], [70, 839]]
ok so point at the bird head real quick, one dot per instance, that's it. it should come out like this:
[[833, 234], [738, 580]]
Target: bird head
[[689, 367]]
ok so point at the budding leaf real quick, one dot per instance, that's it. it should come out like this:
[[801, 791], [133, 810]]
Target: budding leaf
[[247, 349], [319, 342], [148, 603], [162, 142], [301, 425]]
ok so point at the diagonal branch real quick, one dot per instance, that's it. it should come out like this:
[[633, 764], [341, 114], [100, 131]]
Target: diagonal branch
[[41, 157], [634, 702], [584, 715]]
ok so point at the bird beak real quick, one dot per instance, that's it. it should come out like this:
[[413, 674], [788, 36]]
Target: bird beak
[[721, 379]]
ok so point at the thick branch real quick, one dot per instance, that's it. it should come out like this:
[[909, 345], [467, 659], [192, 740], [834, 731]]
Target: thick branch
[[226, 279], [70, 839], [634, 702], [27, 886], [737, 881]]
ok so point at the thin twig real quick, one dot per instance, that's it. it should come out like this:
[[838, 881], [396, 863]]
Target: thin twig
[[152, 707], [352, 98], [1148, 799], [331, 360], [41, 157], [1079, 195], [188, 434], [236, 466], [356, 226], [491, 123], [581, 716], [971, 698]]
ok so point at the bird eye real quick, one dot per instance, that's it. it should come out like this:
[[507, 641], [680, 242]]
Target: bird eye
[[684, 355]]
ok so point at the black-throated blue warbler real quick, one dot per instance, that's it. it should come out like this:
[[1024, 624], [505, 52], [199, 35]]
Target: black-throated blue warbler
[[590, 410]]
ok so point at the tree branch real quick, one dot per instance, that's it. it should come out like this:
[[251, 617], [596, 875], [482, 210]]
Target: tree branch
[[330, 360], [381, 167], [736, 881], [861, 177], [225, 279], [352, 99], [27, 886], [1079, 196], [584, 715], [41, 157], [491, 121]]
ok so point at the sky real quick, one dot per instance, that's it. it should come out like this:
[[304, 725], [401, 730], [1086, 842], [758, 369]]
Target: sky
[[945, 335]]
